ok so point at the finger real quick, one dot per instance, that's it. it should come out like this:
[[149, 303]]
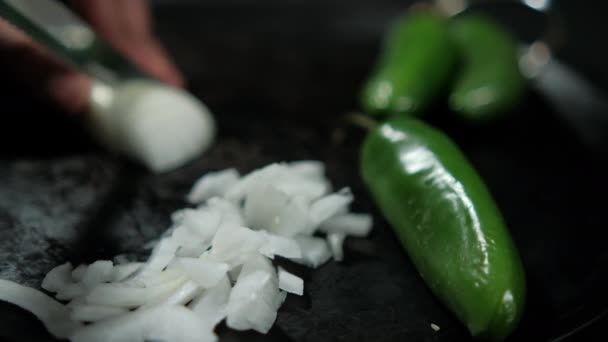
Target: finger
[[40, 73], [127, 26]]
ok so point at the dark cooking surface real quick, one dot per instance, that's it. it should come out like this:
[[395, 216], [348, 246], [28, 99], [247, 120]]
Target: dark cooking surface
[[278, 79]]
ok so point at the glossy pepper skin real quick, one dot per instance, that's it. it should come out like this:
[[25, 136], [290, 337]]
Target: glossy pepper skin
[[489, 82], [448, 224], [416, 62]]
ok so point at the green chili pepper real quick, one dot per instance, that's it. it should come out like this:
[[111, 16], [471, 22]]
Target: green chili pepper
[[490, 82], [417, 61], [447, 222]]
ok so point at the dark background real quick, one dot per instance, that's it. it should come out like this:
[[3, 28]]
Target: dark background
[[279, 76]]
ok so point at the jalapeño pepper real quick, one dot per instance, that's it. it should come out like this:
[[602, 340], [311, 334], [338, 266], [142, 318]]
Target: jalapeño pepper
[[447, 222]]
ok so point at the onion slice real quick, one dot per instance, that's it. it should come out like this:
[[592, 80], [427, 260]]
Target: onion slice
[[54, 315]]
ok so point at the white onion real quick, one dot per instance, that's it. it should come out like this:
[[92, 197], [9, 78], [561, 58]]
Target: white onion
[[79, 272], [267, 175], [125, 270], [201, 221], [180, 296], [233, 243], [160, 257], [335, 241], [213, 184], [315, 251], [229, 211], [98, 272], [331, 205], [351, 224], [281, 246], [211, 305], [164, 323], [71, 291], [290, 283], [130, 297], [185, 289], [94, 313], [52, 314], [58, 278], [263, 205], [308, 168], [205, 273]]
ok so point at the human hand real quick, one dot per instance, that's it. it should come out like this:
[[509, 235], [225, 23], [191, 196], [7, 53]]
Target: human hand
[[126, 25]]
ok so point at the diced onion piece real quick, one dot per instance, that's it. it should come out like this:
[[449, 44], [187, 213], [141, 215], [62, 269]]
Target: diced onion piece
[[290, 283], [331, 205], [211, 305], [153, 278], [79, 272], [266, 174], [121, 272], [213, 184], [180, 296], [58, 278], [229, 211], [160, 257], [205, 273], [163, 323], [232, 244], [315, 251], [281, 246], [335, 241], [350, 224], [308, 168], [263, 205], [98, 272], [94, 313], [52, 314], [202, 221], [71, 291], [130, 297], [255, 298]]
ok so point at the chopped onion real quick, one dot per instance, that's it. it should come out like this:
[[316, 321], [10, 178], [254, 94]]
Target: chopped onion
[[211, 305], [182, 295], [185, 289], [52, 314], [263, 205], [232, 244], [255, 298], [98, 272], [79, 272], [315, 251], [121, 272], [331, 205], [229, 211], [308, 168], [281, 246], [290, 283], [164, 323], [94, 313], [213, 184], [205, 273], [335, 241], [58, 278], [130, 297], [351, 224], [160, 257], [71, 291]]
